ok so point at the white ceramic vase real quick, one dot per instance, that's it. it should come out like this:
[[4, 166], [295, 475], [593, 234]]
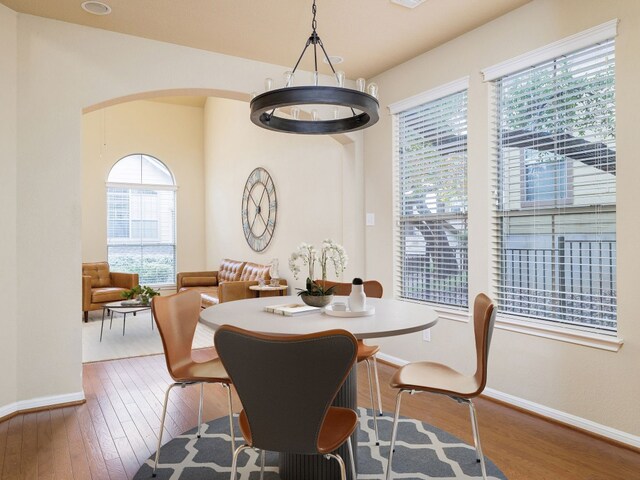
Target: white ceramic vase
[[357, 298]]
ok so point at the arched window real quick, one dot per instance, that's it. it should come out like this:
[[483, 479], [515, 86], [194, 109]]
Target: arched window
[[141, 219]]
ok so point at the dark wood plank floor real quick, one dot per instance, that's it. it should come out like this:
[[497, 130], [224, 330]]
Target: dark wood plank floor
[[116, 430]]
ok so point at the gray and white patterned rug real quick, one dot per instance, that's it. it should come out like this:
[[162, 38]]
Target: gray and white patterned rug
[[422, 452]]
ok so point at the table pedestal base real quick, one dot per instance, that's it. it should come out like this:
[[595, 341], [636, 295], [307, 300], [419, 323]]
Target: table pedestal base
[[316, 467]]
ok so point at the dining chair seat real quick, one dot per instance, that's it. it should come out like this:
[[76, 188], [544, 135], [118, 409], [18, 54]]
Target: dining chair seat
[[337, 427], [210, 371], [439, 378], [366, 351]]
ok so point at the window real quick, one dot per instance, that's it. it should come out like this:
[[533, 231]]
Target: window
[[141, 221], [431, 200], [556, 190]]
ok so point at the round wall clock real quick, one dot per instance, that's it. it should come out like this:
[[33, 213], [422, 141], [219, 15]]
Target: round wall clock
[[259, 209]]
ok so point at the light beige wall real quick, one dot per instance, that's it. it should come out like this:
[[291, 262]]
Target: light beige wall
[[8, 156], [171, 133], [600, 386], [61, 72], [310, 174]]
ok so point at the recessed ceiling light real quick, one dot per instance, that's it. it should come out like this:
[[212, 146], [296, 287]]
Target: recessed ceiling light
[[335, 59], [408, 3], [96, 8]]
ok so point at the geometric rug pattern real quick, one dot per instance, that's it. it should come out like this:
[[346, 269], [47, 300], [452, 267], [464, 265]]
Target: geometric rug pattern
[[422, 452]]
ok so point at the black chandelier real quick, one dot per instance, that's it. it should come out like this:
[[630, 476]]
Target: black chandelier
[[361, 106]]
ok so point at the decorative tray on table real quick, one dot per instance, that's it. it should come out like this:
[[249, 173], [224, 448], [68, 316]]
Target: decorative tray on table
[[329, 310], [131, 303]]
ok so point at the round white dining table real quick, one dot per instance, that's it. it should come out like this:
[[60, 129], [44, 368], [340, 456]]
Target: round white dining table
[[391, 318]]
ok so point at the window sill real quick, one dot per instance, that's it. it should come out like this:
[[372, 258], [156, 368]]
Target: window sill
[[444, 313], [586, 338]]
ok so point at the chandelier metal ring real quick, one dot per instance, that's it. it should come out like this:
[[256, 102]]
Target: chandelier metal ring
[[263, 105]]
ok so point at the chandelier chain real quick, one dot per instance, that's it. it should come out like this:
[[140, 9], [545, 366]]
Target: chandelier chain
[[314, 23]]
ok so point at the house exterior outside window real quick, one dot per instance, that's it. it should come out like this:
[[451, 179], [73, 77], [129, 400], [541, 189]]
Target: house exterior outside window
[[141, 224], [431, 197], [556, 191]]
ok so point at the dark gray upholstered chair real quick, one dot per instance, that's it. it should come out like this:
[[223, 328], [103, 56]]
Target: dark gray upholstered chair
[[438, 378], [177, 317], [286, 385]]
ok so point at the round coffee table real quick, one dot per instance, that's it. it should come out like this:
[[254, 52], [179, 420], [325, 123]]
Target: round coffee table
[[124, 309]]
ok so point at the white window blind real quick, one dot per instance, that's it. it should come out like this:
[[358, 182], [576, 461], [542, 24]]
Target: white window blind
[[556, 190], [431, 206], [141, 222]]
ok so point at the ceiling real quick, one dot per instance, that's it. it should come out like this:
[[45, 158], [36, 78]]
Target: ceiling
[[371, 35]]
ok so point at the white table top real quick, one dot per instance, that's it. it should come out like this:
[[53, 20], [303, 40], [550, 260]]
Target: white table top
[[392, 317]]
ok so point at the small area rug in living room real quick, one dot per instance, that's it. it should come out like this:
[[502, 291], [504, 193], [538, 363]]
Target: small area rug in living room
[[422, 452], [139, 338]]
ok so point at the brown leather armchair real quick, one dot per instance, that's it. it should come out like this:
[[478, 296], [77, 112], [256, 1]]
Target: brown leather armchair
[[100, 286], [230, 282]]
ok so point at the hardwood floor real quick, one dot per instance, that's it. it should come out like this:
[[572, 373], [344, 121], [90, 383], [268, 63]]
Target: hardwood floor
[[110, 435]]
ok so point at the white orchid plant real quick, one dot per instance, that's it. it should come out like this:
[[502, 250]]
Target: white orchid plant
[[307, 255]]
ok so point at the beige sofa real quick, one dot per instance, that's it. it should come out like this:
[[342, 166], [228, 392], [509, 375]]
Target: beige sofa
[[100, 286], [230, 282]]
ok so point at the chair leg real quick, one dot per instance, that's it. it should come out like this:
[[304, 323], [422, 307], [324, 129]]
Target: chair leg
[[231, 431], [200, 409], [375, 370], [393, 433], [338, 458], [164, 415], [354, 473], [476, 439], [234, 464], [86, 316], [373, 406], [262, 464]]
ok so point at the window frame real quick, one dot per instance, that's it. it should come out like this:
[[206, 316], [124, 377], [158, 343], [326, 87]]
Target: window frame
[[574, 334], [451, 312], [145, 187]]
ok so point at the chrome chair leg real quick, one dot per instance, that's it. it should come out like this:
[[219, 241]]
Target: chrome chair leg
[[393, 433], [375, 370], [338, 458], [262, 464], [354, 473], [234, 463], [200, 409], [164, 415], [476, 439], [231, 430], [373, 407]]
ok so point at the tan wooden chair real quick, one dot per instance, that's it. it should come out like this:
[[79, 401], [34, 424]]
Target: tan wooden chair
[[366, 353], [286, 385], [438, 378], [177, 317]]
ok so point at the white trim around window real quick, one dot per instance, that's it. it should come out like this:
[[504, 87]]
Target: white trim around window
[[588, 338], [599, 33], [430, 95]]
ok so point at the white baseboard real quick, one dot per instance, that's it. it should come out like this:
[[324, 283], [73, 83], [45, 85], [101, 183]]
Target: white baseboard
[[548, 412], [40, 402]]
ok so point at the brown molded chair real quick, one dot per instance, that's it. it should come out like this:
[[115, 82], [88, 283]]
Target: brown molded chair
[[372, 288], [286, 385], [177, 317], [438, 378]]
